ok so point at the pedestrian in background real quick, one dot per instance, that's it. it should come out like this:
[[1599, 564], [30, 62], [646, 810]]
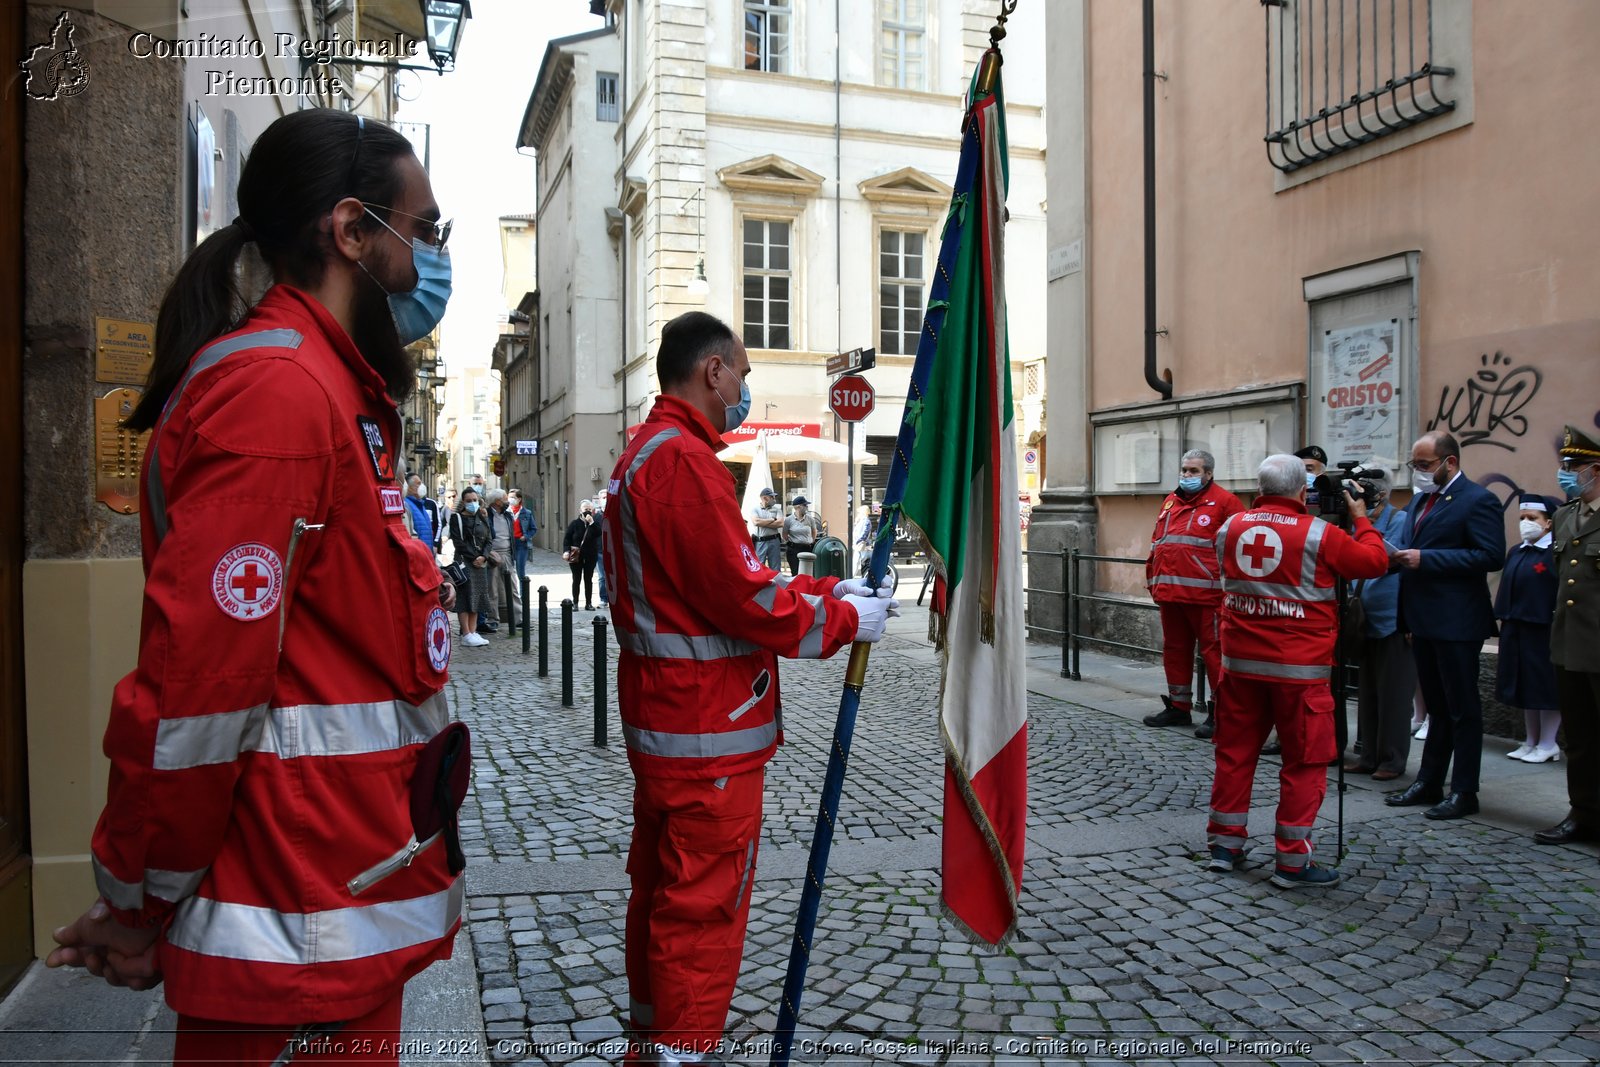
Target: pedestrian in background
[[766, 530], [1575, 634], [259, 769], [701, 623], [862, 536], [471, 538], [523, 527], [1456, 537], [800, 531], [1184, 579], [1386, 675], [581, 549], [423, 511], [503, 529], [1525, 604]]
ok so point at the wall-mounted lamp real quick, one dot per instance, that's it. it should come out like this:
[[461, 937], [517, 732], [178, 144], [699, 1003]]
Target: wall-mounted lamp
[[698, 286]]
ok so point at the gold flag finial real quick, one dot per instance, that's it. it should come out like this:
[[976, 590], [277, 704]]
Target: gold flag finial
[[989, 69]]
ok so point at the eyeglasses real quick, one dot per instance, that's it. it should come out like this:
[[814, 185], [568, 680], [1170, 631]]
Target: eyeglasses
[[440, 230], [1424, 466]]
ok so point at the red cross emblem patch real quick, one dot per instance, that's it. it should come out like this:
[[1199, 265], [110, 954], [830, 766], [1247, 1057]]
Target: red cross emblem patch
[[1258, 551], [436, 635], [1540, 568], [247, 582]]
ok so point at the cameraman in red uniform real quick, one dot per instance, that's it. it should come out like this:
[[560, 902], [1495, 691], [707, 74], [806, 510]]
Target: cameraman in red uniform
[[1182, 576], [1279, 624]]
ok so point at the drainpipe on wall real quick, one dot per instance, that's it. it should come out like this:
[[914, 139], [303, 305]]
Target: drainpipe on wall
[[1161, 383]]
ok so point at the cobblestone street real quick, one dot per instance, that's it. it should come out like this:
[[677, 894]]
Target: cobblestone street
[[1458, 942]]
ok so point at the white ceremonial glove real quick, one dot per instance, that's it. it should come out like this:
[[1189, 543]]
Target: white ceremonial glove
[[873, 615], [858, 587]]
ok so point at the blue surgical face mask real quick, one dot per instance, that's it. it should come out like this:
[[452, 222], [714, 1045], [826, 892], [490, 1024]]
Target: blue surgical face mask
[[417, 312], [1572, 485], [1190, 483], [1311, 480], [472, 507], [735, 414]]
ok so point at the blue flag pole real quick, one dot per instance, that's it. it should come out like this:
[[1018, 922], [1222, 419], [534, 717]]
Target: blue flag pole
[[883, 547]]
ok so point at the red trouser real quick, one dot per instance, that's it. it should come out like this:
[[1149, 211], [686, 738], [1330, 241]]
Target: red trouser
[[1247, 710], [372, 1039], [1181, 626], [692, 862]]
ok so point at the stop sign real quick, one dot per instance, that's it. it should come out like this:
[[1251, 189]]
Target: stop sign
[[851, 398]]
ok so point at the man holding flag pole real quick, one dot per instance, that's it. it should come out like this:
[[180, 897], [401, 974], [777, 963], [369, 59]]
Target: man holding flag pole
[[701, 623], [954, 476]]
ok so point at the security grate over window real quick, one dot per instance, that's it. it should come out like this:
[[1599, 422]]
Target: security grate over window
[[1342, 73]]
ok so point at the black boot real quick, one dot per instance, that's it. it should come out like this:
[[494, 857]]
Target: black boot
[[1169, 716], [1209, 727]]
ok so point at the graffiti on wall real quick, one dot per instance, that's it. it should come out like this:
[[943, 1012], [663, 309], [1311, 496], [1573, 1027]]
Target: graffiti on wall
[[1486, 408]]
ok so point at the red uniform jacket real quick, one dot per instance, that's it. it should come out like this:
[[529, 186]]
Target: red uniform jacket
[[698, 618], [292, 657], [1280, 618], [1182, 568]]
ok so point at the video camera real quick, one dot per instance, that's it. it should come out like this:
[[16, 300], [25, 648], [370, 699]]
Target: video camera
[[1362, 483]]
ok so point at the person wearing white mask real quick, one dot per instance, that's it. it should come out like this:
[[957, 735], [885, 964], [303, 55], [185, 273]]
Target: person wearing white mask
[[1525, 604], [1457, 537]]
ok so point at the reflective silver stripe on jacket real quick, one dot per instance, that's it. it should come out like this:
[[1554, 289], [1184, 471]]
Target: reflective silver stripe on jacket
[[700, 746], [683, 646], [645, 639], [1295, 671], [1292, 833], [171, 886], [1182, 539], [262, 935], [1277, 592], [209, 357], [811, 643], [298, 730], [1192, 583], [1230, 818]]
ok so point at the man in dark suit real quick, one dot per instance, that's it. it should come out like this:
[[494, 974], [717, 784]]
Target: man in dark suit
[[1457, 536]]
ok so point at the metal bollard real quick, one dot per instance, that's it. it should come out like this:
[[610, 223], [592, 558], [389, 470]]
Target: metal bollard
[[1066, 616], [808, 562], [511, 603], [526, 636], [600, 681], [544, 631], [566, 653]]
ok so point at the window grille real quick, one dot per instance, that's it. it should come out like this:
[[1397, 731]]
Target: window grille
[[1343, 73], [766, 283], [766, 35], [605, 97], [900, 58], [1032, 379], [900, 280]]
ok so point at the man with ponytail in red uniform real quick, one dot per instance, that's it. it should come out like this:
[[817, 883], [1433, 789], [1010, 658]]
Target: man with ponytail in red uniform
[[1280, 566], [260, 851]]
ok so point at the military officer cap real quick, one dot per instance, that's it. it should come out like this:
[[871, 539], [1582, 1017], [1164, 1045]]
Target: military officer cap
[[1576, 445], [1314, 452]]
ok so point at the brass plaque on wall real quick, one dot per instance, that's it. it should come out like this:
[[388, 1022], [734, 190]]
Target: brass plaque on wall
[[123, 350], [118, 453]]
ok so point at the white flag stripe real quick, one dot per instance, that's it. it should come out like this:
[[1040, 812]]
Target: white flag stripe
[[985, 699]]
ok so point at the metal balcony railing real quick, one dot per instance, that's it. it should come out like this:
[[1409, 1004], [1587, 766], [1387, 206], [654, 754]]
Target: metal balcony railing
[[1343, 73]]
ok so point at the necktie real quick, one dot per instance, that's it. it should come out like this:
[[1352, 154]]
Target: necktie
[[1427, 506]]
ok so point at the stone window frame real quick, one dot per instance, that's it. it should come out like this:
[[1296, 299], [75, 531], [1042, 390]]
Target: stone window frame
[[904, 200], [773, 189]]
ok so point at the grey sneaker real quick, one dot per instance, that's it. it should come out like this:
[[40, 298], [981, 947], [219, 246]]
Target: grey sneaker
[[1308, 877], [1225, 859]]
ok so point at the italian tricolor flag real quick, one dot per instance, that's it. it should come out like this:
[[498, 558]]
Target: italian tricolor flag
[[961, 491]]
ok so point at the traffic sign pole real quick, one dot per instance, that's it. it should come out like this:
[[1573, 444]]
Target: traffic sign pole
[[852, 399]]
